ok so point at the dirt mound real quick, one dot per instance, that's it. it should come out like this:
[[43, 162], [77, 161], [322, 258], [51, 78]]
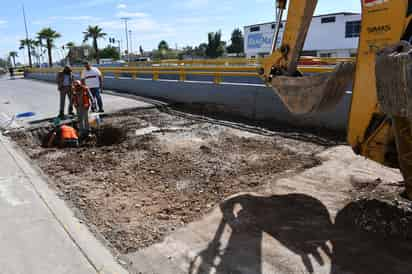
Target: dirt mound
[[387, 218]]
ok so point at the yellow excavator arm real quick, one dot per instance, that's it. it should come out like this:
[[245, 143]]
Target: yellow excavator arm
[[379, 136]]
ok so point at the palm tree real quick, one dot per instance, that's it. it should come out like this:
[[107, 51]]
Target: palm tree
[[49, 35], [70, 46], [95, 33], [13, 55], [30, 44], [37, 50]]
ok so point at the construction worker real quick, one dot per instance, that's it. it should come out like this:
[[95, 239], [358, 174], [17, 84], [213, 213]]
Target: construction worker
[[64, 85], [82, 100], [93, 79], [63, 136]]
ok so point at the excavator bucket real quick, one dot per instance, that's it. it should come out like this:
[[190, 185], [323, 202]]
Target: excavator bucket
[[314, 93]]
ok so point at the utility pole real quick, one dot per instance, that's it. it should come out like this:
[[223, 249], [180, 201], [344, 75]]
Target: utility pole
[[131, 41], [125, 20], [27, 37]]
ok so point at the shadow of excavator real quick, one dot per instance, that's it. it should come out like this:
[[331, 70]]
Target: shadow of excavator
[[301, 224]]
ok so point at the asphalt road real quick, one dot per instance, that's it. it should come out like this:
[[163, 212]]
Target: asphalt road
[[22, 95]]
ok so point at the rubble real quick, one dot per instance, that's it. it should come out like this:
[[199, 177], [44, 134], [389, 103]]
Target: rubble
[[144, 186]]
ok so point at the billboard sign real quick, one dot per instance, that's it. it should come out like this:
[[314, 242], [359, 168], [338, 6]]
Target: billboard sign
[[261, 41]]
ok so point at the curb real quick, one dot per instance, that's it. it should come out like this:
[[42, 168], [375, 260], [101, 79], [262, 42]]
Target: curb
[[99, 257]]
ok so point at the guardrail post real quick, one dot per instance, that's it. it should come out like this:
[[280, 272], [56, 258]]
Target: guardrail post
[[155, 75], [218, 78], [182, 75]]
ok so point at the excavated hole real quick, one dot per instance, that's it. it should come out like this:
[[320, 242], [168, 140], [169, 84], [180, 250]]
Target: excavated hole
[[110, 135]]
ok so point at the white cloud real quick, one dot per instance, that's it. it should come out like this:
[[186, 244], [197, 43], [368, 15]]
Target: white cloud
[[131, 14], [3, 22], [121, 6]]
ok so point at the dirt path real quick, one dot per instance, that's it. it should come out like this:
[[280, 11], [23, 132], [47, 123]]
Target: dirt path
[[169, 171]]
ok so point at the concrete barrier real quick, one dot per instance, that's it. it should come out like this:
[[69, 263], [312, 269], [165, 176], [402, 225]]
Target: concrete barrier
[[251, 101]]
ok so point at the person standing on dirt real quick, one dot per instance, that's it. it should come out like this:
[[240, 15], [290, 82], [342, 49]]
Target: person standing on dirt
[[82, 100], [64, 85], [93, 79]]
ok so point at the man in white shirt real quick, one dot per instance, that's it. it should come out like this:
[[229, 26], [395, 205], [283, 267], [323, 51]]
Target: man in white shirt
[[92, 78]]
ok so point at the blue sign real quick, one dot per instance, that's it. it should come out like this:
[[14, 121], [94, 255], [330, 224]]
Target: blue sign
[[259, 40]]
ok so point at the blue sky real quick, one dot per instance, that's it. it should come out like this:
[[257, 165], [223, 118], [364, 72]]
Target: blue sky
[[181, 23]]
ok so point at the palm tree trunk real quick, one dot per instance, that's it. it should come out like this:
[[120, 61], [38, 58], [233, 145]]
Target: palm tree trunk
[[14, 61], [29, 54], [49, 52], [96, 50]]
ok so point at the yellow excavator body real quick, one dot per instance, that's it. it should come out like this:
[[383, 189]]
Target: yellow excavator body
[[379, 136]]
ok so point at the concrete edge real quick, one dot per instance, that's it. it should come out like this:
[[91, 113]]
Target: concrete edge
[[95, 252]]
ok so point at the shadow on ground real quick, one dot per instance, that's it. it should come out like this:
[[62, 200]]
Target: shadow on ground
[[303, 225]]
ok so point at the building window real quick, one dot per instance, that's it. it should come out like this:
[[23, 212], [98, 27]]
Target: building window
[[310, 53], [352, 29], [326, 20], [254, 29], [325, 55], [274, 26]]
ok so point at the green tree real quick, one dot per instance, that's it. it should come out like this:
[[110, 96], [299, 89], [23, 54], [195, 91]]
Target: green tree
[[215, 46], [4, 63], [186, 52], [200, 51], [163, 45], [37, 50], [49, 35], [110, 53], [94, 33], [163, 50], [69, 46], [237, 42], [30, 45], [13, 55]]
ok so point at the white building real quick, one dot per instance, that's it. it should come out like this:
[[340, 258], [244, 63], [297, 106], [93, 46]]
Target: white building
[[330, 35]]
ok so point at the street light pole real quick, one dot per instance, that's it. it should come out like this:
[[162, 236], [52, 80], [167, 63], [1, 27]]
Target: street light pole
[[125, 20], [131, 41], [28, 44]]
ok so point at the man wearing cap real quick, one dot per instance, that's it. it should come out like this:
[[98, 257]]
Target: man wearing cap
[[64, 85], [82, 100], [92, 78]]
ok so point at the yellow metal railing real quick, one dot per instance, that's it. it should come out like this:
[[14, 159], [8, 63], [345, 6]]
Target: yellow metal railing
[[216, 72], [217, 68], [233, 62]]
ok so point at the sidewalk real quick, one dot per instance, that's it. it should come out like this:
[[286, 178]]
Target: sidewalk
[[38, 232]]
